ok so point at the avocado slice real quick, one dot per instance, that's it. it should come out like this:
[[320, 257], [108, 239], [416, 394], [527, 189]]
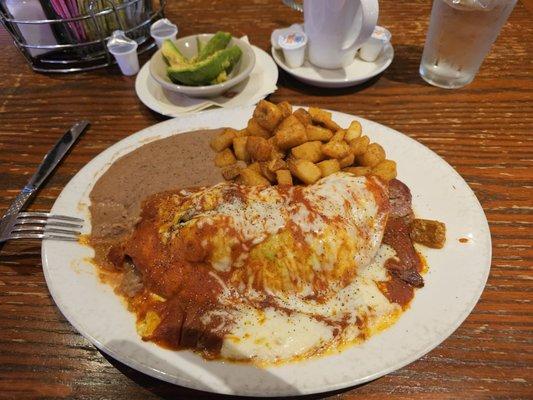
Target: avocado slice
[[206, 71], [216, 43], [172, 55], [222, 77]]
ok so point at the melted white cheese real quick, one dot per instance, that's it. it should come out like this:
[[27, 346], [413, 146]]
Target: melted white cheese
[[266, 210], [376, 270], [273, 335], [255, 220]]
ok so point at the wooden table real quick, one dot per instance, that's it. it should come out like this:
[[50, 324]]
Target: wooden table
[[484, 131]]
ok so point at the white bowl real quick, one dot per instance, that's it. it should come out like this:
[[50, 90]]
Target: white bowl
[[189, 48]]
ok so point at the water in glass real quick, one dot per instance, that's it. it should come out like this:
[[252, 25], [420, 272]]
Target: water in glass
[[460, 34]]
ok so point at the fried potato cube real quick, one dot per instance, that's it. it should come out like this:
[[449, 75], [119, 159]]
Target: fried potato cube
[[323, 117], [223, 140], [225, 158], [428, 232], [373, 155], [284, 177], [328, 167], [255, 167], [317, 114], [347, 161], [386, 170], [286, 108], [258, 148], [276, 152], [242, 132], [277, 164], [254, 129], [330, 124], [305, 170], [339, 135], [268, 115], [303, 116], [239, 148], [311, 151], [358, 171], [334, 149], [249, 177], [354, 131], [290, 133], [359, 145], [234, 132], [318, 133], [266, 172], [232, 171]]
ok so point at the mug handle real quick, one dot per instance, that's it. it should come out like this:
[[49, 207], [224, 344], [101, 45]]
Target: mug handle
[[370, 12], [294, 5]]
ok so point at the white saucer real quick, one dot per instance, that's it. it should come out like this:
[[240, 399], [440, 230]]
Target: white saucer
[[261, 82], [357, 72]]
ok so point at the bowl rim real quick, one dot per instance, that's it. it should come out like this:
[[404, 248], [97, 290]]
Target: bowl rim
[[229, 83]]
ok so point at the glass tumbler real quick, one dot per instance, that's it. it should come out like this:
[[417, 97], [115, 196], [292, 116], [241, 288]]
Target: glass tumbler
[[460, 34]]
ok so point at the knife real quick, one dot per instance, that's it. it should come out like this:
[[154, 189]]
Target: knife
[[50, 162]]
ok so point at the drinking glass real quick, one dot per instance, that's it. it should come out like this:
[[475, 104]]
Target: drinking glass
[[460, 34]]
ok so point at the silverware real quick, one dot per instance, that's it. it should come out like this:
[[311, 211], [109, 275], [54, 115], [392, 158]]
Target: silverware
[[294, 5], [13, 219], [39, 225]]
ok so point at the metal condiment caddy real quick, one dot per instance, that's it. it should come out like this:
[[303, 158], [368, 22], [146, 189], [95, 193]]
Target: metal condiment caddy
[[81, 40]]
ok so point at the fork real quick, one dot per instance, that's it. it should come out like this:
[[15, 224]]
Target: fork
[[16, 224], [39, 225]]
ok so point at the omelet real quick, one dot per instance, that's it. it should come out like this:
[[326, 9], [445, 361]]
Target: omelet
[[264, 274]]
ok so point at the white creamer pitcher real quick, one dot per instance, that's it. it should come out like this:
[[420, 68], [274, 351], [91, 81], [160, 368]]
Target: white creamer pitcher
[[336, 29]]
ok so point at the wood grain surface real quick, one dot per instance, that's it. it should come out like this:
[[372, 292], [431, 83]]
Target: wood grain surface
[[484, 131]]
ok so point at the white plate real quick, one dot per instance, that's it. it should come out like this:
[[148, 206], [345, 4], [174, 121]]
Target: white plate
[[357, 72], [261, 82], [454, 282]]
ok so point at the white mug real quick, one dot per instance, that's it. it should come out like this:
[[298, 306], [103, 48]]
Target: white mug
[[336, 29]]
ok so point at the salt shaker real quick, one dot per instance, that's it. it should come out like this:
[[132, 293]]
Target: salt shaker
[[163, 29], [124, 50]]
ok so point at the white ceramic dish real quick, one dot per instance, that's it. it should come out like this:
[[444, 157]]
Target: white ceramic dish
[[454, 282], [357, 72], [259, 84], [189, 48]]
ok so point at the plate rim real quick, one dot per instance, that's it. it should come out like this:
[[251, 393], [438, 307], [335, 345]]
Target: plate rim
[[132, 362]]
